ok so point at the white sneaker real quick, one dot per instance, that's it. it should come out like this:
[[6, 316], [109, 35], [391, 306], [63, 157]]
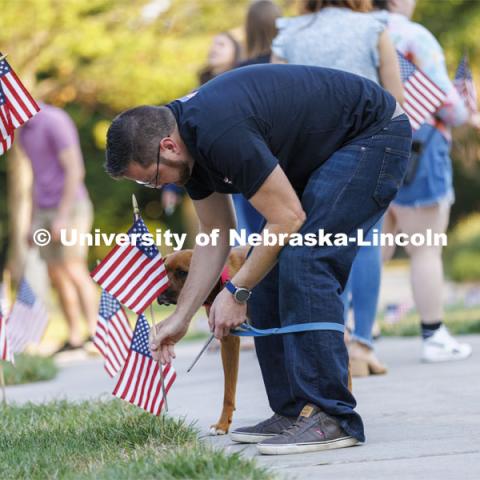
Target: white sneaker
[[442, 347]]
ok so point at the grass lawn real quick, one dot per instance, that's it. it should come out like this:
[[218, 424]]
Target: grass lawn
[[29, 368], [109, 440], [459, 320]]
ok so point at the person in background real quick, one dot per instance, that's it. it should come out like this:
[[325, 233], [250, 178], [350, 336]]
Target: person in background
[[60, 201], [425, 202], [224, 53], [260, 30], [339, 34]]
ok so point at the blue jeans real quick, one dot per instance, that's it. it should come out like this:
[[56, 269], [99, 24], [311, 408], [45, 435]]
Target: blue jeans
[[433, 181], [364, 287], [351, 190]]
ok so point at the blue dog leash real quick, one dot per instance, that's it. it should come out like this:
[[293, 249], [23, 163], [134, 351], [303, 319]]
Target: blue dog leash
[[246, 330]]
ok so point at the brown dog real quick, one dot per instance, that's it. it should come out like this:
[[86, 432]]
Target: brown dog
[[178, 265]]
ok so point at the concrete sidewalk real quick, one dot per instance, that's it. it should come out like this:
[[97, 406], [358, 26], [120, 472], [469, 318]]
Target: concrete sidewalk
[[422, 421]]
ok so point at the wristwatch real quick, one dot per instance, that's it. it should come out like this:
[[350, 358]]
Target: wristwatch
[[240, 294]]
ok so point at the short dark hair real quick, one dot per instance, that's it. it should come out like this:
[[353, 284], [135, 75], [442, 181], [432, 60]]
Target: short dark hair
[[134, 136]]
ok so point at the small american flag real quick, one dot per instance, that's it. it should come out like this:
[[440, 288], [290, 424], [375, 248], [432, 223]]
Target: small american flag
[[422, 97], [6, 126], [134, 274], [465, 85], [28, 319], [5, 351], [22, 105], [113, 334], [140, 382]]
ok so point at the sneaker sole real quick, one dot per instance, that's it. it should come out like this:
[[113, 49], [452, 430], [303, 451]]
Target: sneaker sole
[[267, 449], [249, 437], [456, 358]]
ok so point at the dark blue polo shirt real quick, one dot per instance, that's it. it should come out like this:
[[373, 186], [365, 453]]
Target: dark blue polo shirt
[[243, 123]]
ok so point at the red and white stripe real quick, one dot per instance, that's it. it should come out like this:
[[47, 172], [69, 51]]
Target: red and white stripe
[[26, 324], [23, 106], [6, 129], [467, 91], [132, 277], [112, 338], [6, 353], [140, 382], [422, 98]]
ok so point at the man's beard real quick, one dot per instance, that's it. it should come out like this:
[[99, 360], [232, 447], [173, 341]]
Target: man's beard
[[182, 167]]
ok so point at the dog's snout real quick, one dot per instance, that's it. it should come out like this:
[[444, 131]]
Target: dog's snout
[[167, 297]]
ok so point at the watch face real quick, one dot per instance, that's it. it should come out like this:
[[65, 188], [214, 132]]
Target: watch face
[[242, 295]]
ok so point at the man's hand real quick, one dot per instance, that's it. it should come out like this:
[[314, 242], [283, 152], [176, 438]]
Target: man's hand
[[226, 314], [165, 336]]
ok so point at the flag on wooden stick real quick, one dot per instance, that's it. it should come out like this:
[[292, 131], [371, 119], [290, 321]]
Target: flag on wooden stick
[[5, 351], [134, 272], [28, 319], [422, 97], [113, 334], [22, 105], [140, 382], [6, 126], [465, 85]]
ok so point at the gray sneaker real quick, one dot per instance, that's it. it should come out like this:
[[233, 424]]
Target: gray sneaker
[[314, 430], [263, 430]]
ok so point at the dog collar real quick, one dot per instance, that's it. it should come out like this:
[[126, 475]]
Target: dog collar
[[224, 278]]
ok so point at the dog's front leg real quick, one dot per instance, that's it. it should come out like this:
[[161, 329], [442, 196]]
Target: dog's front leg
[[230, 359]]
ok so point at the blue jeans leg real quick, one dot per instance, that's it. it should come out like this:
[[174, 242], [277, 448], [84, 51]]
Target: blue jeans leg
[[364, 287], [350, 191]]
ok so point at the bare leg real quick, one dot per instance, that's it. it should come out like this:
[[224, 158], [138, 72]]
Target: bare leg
[[86, 290], [426, 261], [69, 302]]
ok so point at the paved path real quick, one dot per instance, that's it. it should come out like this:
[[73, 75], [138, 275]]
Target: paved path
[[422, 421]]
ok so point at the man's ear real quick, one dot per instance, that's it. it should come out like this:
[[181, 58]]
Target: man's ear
[[168, 145]]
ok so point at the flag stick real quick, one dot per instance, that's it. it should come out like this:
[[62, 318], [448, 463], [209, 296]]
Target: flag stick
[[3, 57], [162, 379], [136, 214], [2, 383], [136, 210]]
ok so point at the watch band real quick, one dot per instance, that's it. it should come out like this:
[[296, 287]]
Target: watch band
[[240, 294], [230, 287]]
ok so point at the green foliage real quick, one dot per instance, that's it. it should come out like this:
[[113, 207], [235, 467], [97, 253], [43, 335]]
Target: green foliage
[[108, 440], [98, 57], [113, 53], [29, 368], [462, 256]]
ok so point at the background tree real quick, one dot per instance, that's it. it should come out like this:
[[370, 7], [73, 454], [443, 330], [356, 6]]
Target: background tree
[[98, 57]]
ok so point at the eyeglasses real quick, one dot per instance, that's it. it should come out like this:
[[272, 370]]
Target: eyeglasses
[[149, 184]]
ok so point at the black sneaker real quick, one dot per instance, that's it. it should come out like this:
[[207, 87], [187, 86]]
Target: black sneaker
[[67, 347], [263, 430], [314, 430]]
